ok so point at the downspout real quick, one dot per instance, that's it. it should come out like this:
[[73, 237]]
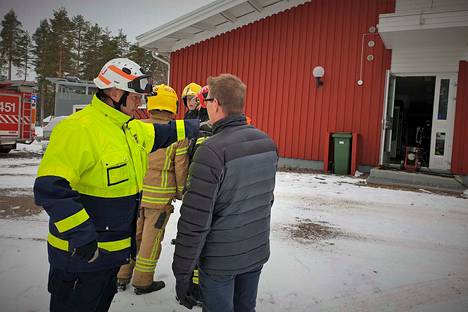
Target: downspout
[[155, 55]]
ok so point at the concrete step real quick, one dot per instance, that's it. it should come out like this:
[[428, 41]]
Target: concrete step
[[414, 179]]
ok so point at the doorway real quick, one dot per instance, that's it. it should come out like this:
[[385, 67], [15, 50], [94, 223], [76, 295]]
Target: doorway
[[419, 113], [412, 117]]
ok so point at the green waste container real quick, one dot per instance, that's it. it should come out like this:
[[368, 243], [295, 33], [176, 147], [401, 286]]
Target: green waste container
[[342, 152]]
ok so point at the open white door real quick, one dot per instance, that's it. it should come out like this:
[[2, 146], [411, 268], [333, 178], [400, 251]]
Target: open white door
[[387, 120], [443, 122]]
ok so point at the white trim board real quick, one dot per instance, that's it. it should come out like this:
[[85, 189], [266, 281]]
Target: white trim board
[[427, 60], [195, 26]]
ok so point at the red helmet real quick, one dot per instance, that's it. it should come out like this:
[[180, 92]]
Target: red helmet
[[202, 95]]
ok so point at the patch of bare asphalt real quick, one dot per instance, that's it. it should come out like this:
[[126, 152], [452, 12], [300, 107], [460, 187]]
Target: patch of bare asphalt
[[23, 165], [20, 154], [17, 202], [17, 174], [307, 231], [416, 189]]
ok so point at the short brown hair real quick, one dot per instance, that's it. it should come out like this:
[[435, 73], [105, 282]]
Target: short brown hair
[[229, 90]]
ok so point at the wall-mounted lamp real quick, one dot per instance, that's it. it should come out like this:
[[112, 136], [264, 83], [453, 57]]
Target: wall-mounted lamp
[[318, 73]]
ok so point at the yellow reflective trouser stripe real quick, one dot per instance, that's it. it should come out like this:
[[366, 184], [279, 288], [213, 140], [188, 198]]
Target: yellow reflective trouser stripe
[[167, 164], [146, 260], [145, 267], [195, 279], [180, 187], [144, 270], [155, 200], [181, 151], [157, 240], [148, 265], [180, 127], [72, 221], [109, 246]]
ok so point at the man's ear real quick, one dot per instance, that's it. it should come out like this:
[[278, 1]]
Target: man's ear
[[218, 107]]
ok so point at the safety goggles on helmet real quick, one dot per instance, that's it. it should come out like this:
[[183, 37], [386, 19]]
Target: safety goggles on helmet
[[141, 84], [194, 100], [202, 95]]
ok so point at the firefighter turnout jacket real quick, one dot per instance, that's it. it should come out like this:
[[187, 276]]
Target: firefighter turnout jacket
[[90, 181], [167, 172]]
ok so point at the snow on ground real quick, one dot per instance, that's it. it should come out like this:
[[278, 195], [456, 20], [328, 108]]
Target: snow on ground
[[336, 245], [18, 169], [36, 147], [39, 131]]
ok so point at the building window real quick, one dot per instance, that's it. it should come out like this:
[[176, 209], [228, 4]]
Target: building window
[[440, 144], [443, 99]]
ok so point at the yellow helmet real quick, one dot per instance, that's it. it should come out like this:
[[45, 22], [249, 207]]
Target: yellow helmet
[[163, 98], [190, 90]]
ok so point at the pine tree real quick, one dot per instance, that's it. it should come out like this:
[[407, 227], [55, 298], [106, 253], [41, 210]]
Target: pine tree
[[62, 43], [91, 52], [122, 44], [158, 70], [149, 64], [42, 51], [9, 38], [3, 63], [24, 55], [80, 27], [44, 66], [109, 47]]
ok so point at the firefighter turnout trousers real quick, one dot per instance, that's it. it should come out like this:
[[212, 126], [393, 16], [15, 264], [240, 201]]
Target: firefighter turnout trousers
[[151, 226]]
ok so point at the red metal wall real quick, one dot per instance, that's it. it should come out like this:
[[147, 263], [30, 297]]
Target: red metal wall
[[275, 57], [460, 136]]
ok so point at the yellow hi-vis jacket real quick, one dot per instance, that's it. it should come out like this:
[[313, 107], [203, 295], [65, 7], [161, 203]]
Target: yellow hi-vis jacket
[[90, 181], [167, 171]]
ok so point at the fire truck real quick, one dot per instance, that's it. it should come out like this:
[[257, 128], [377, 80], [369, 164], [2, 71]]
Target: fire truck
[[17, 114]]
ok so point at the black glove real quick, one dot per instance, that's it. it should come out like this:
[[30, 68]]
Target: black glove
[[88, 252], [184, 296]]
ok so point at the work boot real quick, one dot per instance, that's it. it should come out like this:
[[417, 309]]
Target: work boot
[[122, 283], [155, 286]]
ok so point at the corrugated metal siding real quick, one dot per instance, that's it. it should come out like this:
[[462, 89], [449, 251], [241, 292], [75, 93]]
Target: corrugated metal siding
[[427, 60], [411, 5], [275, 57], [460, 138]]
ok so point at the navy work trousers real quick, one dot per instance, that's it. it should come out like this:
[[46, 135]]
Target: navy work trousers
[[84, 291], [230, 293]]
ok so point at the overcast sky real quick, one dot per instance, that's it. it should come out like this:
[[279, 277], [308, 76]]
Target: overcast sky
[[133, 16]]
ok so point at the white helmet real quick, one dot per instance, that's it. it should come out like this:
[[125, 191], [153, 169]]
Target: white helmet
[[123, 74]]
